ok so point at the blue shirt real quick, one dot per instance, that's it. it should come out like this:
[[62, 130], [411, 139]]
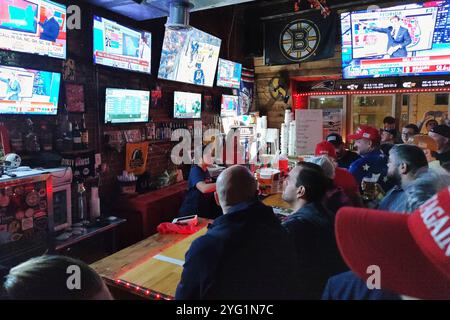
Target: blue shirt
[[199, 77], [192, 199], [244, 255], [50, 30], [312, 231], [394, 200], [195, 202], [374, 162]]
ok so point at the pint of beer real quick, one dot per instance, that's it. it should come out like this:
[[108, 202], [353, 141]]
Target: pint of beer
[[369, 187]]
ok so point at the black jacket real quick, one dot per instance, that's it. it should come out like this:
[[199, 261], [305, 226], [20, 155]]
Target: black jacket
[[312, 230], [246, 254]]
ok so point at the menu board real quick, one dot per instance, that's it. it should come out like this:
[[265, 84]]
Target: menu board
[[309, 127]]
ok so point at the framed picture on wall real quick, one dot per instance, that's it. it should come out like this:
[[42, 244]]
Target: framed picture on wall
[[208, 103], [156, 98], [75, 97]]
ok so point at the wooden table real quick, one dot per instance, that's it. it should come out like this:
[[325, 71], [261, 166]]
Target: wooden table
[[275, 200], [150, 268]]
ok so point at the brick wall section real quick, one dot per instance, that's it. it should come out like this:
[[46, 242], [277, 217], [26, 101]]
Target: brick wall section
[[97, 78]]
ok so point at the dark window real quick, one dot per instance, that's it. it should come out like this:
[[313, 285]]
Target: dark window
[[405, 100], [441, 98]]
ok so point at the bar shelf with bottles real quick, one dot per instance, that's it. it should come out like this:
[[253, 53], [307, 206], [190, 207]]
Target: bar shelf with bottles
[[70, 136], [161, 131]]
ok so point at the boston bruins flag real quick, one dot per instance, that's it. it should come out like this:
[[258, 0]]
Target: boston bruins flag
[[300, 38]]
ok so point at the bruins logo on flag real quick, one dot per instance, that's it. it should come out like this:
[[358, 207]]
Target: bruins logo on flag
[[299, 40], [296, 39]]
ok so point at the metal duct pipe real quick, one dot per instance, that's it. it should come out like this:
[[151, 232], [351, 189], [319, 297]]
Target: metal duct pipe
[[179, 15]]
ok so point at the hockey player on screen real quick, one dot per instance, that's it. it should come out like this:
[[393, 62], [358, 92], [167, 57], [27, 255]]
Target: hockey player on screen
[[199, 76]]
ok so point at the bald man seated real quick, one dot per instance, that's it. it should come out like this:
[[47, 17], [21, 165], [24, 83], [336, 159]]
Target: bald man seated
[[245, 254]]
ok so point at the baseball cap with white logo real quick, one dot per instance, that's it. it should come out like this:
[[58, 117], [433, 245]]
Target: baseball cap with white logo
[[366, 132], [412, 251]]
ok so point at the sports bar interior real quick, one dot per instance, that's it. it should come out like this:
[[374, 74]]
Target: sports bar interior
[[224, 150]]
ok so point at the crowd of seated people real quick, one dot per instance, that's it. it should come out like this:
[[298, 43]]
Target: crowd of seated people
[[332, 246]]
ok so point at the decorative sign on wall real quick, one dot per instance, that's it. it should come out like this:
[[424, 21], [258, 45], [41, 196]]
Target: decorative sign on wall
[[208, 103], [156, 98], [82, 163], [246, 91], [69, 68], [75, 97], [136, 157]]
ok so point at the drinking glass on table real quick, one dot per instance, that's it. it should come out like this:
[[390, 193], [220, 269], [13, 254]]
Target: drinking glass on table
[[369, 188]]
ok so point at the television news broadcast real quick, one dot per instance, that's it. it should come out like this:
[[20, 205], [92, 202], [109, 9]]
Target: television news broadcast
[[27, 91], [121, 47], [403, 40], [33, 26], [229, 74]]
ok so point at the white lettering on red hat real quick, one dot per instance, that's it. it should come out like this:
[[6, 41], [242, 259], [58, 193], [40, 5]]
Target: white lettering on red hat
[[431, 214], [366, 135]]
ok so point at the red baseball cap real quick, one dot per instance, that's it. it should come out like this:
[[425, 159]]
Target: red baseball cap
[[325, 148], [412, 251], [365, 132]]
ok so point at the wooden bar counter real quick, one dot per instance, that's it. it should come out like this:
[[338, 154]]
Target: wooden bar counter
[[152, 267]]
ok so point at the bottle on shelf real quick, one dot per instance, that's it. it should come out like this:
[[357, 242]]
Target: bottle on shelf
[[76, 136], [81, 212], [94, 204], [84, 133], [68, 137], [46, 138], [31, 139], [58, 135], [16, 138]]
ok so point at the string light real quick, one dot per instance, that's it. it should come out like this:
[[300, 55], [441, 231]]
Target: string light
[[143, 291], [356, 92]]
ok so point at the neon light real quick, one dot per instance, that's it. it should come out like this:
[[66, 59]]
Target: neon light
[[327, 93]]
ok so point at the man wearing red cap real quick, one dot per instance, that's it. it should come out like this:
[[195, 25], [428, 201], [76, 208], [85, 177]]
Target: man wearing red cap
[[342, 178], [412, 258], [373, 162]]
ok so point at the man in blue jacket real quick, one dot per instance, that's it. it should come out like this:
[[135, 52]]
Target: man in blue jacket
[[373, 163], [312, 229], [50, 27], [246, 253], [398, 38]]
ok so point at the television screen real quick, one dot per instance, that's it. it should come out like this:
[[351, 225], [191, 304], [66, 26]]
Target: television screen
[[405, 40], [229, 106], [121, 47], [189, 56], [187, 105], [33, 26], [126, 106], [26, 91], [229, 74]]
